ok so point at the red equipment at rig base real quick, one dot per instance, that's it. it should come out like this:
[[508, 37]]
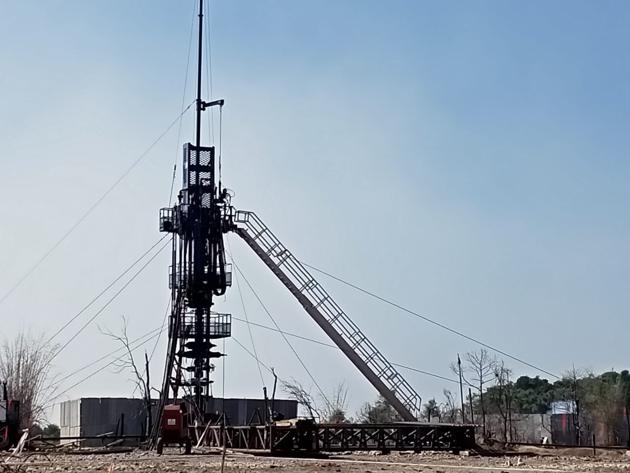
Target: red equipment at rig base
[[174, 428], [9, 420]]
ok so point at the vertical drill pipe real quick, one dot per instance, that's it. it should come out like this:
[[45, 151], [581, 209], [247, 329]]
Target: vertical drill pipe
[[198, 257], [199, 60]]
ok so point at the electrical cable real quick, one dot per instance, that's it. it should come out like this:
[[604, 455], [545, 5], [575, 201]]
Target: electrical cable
[[431, 321], [223, 409], [321, 392], [330, 345], [251, 335], [209, 86], [94, 373], [246, 350], [223, 375], [289, 334], [98, 201], [108, 355], [102, 309], [98, 296], [208, 52], [168, 306], [220, 142], [179, 128], [252, 355]]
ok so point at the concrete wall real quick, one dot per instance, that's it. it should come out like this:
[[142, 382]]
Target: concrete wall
[[560, 429], [525, 427], [243, 411], [70, 418], [90, 417], [120, 416], [564, 430]]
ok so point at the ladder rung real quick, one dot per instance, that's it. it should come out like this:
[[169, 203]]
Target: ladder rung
[[308, 285], [335, 317], [370, 357], [257, 235], [357, 335], [322, 301], [282, 257]]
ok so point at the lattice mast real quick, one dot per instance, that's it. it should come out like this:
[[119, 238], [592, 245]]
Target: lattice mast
[[198, 271]]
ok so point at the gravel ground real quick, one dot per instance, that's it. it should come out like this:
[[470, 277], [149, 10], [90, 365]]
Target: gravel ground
[[522, 461]]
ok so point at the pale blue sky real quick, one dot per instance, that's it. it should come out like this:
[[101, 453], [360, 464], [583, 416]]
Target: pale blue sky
[[467, 159]]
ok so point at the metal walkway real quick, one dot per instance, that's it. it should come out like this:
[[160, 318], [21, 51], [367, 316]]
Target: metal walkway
[[328, 315]]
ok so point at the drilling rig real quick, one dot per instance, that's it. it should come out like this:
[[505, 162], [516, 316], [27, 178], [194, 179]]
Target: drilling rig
[[198, 273], [198, 222]]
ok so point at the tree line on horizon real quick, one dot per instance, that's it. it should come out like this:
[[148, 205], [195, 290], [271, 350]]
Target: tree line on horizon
[[488, 388]]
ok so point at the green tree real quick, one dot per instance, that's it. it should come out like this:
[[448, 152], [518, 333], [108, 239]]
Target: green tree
[[381, 412], [431, 410], [532, 395], [624, 382]]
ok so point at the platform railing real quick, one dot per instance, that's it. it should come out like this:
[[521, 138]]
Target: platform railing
[[216, 326]]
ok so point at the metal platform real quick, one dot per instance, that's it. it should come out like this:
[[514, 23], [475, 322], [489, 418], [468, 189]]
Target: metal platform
[[306, 437]]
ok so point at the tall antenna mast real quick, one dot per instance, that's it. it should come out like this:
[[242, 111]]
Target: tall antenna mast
[[200, 105]]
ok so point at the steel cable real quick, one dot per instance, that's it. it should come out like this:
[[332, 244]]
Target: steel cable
[[98, 201], [431, 321], [110, 300], [308, 372]]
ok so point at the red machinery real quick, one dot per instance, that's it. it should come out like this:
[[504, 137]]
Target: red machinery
[[9, 420], [174, 428]]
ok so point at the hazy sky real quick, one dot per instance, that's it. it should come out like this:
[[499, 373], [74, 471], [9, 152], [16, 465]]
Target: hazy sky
[[466, 159]]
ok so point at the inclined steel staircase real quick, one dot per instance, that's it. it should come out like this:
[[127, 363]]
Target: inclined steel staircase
[[328, 315]]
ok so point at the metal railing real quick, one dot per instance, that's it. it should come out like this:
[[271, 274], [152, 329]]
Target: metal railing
[[316, 301], [216, 326], [178, 278]]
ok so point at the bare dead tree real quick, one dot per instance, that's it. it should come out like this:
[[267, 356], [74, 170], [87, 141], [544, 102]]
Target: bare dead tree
[[304, 398], [127, 363], [575, 395], [25, 366], [504, 397], [449, 407], [336, 408], [480, 369]]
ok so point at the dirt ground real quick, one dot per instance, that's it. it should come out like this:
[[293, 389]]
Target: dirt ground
[[524, 460]]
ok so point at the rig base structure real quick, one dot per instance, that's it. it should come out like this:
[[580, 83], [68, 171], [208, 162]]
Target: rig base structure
[[305, 437]]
